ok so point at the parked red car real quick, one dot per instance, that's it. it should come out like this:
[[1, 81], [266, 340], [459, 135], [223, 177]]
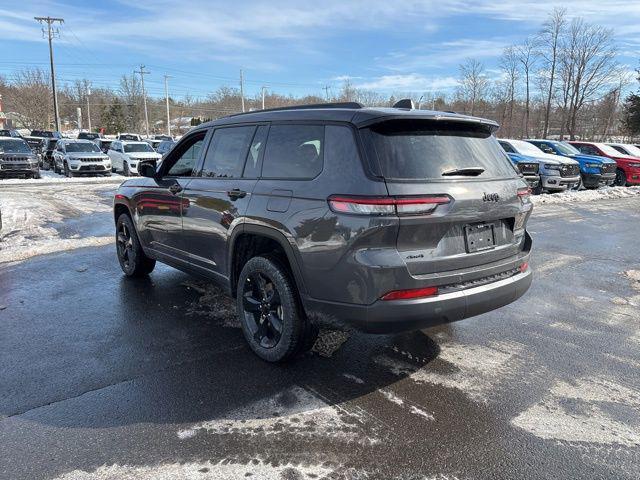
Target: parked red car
[[628, 172]]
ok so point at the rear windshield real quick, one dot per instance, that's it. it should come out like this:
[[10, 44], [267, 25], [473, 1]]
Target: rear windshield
[[410, 149]]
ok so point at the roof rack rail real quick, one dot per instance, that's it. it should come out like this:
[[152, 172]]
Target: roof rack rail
[[352, 105]]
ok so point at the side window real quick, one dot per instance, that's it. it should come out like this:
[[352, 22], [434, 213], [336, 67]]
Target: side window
[[507, 147], [587, 149], [545, 148], [227, 152], [252, 165], [294, 151], [186, 157]]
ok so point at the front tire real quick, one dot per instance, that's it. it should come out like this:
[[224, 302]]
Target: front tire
[[132, 259], [621, 178], [273, 322], [67, 171], [125, 170]]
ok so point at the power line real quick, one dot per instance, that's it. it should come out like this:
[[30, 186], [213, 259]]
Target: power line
[[50, 34]]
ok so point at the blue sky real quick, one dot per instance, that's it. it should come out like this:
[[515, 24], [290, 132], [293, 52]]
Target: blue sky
[[290, 47]]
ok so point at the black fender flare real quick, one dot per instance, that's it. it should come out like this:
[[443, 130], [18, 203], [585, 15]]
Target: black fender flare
[[280, 238]]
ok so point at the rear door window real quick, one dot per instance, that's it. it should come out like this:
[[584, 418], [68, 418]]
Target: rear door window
[[227, 152], [422, 149], [294, 151]]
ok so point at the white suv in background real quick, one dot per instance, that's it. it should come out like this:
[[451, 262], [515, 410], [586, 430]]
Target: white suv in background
[[127, 156]]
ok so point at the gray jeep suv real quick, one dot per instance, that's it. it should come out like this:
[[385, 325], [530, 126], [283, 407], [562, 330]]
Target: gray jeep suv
[[384, 219]]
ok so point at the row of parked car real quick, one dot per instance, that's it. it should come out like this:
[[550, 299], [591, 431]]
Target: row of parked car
[[555, 166], [547, 165], [88, 154]]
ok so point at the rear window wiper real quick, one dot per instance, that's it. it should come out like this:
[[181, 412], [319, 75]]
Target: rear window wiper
[[467, 172]]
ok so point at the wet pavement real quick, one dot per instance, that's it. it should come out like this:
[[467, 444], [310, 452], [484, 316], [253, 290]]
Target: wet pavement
[[107, 378]]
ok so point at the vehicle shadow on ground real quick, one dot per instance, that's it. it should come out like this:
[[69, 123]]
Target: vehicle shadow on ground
[[155, 353]]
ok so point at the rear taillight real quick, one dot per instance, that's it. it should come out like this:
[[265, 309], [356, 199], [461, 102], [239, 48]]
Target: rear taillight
[[422, 205], [411, 294], [524, 193]]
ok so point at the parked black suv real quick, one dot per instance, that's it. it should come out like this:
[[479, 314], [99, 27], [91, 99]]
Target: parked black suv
[[385, 219]]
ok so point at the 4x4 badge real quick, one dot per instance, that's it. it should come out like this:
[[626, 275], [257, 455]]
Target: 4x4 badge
[[490, 197]]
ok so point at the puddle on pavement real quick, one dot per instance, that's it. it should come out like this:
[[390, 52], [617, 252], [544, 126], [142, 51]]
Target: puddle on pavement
[[94, 225]]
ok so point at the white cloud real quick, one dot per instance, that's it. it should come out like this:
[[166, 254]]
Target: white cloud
[[410, 82]]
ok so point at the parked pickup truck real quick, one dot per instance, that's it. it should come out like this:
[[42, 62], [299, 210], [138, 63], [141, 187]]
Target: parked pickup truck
[[628, 166], [595, 170], [557, 173], [529, 167]]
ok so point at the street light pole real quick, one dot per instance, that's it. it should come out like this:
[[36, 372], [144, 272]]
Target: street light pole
[[242, 89], [264, 89], [50, 34]]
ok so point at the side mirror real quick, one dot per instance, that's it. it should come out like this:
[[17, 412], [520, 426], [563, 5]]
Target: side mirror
[[147, 170]]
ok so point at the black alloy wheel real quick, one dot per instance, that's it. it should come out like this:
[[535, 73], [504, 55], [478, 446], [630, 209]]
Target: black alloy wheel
[[263, 310], [133, 261]]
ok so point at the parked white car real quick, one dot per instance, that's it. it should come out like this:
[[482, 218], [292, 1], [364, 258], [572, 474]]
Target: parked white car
[[557, 173], [75, 157], [129, 137], [127, 156]]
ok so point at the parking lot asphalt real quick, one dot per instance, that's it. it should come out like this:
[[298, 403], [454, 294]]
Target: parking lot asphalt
[[103, 377]]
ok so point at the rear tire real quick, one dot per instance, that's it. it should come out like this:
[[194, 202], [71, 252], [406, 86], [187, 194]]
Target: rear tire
[[621, 178], [132, 259], [272, 319]]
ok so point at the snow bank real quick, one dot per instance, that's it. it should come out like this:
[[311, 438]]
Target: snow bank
[[603, 193], [48, 177]]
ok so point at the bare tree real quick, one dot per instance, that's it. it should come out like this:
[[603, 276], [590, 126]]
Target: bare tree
[[549, 41], [509, 64], [527, 56], [592, 66], [473, 82], [30, 97]]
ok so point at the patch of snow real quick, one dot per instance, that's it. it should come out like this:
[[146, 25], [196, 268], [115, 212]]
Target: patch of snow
[[421, 413], [28, 215], [583, 411], [392, 397], [603, 193], [224, 470], [353, 378], [294, 411], [48, 178], [477, 369]]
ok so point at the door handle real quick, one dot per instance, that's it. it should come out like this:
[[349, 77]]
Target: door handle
[[236, 193], [175, 188]]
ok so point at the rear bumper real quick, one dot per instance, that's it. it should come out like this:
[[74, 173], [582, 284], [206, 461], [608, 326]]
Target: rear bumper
[[594, 180], [405, 315]]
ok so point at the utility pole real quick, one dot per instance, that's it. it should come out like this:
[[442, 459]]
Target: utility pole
[[166, 97], [79, 113], [326, 89], [263, 89], [144, 97], [242, 89], [50, 33], [88, 109]]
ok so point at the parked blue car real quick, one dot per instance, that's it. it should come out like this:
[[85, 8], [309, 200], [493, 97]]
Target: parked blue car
[[595, 171], [529, 167]]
